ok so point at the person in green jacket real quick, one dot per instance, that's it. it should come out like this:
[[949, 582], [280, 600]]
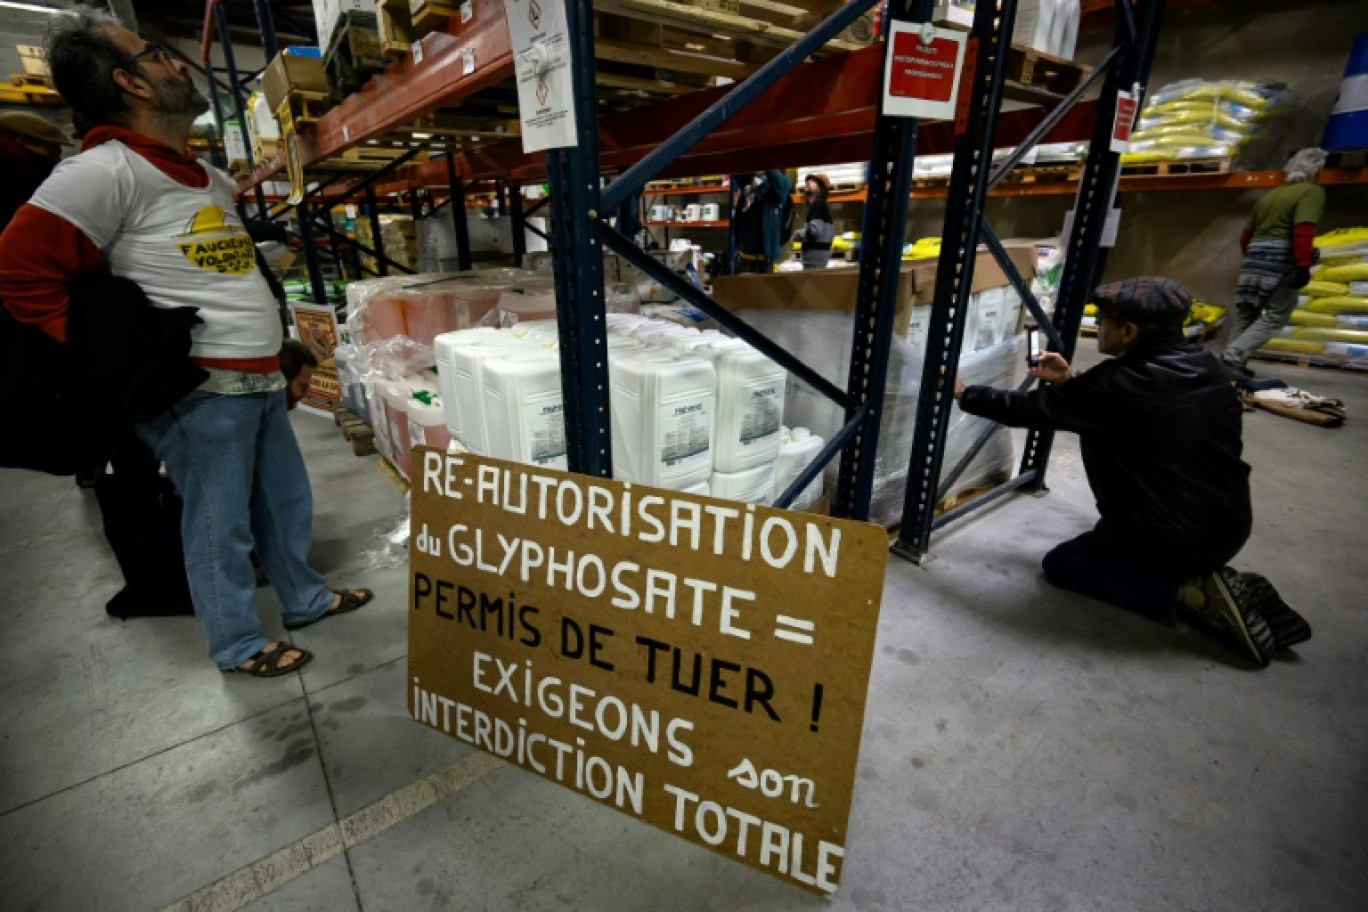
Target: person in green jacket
[[1279, 250]]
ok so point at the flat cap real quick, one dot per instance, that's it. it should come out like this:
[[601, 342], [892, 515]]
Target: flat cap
[[1147, 300], [33, 127]]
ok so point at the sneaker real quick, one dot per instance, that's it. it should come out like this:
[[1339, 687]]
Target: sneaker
[[1288, 626], [1228, 608]]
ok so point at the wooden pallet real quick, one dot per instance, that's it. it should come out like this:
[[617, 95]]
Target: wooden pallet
[[1178, 166], [353, 55], [1313, 359], [394, 26], [355, 431], [31, 79], [427, 15], [301, 109], [1029, 67], [264, 150], [954, 501], [1044, 174]]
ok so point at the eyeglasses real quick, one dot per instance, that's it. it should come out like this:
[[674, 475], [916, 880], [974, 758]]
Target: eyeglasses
[[153, 49]]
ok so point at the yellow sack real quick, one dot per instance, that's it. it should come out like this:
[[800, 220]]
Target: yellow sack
[[1323, 289], [1342, 236], [1143, 158], [1207, 313], [1308, 318], [1339, 304], [1298, 346], [926, 248], [1358, 272], [1356, 336], [1226, 92]]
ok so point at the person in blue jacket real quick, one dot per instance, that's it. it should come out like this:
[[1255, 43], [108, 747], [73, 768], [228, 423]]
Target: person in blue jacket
[[758, 205]]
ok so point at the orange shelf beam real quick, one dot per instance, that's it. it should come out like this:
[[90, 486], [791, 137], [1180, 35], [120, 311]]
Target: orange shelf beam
[[688, 191], [405, 91]]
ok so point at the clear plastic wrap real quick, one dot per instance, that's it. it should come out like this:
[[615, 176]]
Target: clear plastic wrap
[[391, 544], [1204, 119], [821, 339]]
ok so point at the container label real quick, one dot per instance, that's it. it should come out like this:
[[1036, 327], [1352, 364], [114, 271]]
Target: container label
[[546, 427], [760, 414], [684, 431]]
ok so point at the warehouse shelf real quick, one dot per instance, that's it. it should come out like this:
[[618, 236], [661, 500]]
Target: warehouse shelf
[[398, 98], [823, 111], [407, 90], [1228, 180], [723, 223], [687, 191]]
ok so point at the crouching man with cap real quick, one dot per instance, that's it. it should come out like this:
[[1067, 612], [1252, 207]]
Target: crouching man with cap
[[1159, 427]]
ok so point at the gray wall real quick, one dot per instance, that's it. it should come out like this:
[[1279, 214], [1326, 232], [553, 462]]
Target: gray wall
[[1193, 236]]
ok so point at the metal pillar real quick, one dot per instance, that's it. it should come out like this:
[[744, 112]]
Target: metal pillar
[[577, 247], [517, 223], [218, 152], [1136, 37], [266, 22], [225, 39], [381, 266], [1125, 65], [458, 214], [885, 226], [306, 237], [324, 218], [955, 270]]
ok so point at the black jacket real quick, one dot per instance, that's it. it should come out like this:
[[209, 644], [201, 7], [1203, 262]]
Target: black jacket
[[124, 361], [1159, 429]]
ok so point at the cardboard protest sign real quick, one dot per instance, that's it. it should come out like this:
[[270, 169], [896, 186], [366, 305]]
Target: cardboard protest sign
[[698, 663], [317, 328]]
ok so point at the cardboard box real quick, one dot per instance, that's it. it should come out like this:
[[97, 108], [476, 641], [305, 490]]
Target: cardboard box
[[835, 288], [292, 71], [34, 59], [952, 15], [327, 13], [1035, 23]]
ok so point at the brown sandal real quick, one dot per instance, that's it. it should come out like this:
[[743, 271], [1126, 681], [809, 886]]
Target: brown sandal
[[351, 600], [266, 663]]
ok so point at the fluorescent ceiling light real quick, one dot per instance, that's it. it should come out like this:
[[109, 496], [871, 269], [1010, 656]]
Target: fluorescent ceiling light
[[32, 8], [422, 136]]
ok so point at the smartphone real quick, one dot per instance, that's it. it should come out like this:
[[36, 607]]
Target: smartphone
[[1035, 345]]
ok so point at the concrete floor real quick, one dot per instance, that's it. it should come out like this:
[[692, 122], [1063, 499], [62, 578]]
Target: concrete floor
[[1024, 748]]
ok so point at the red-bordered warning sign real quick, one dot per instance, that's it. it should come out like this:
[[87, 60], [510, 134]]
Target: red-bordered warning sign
[[922, 71], [1127, 106]]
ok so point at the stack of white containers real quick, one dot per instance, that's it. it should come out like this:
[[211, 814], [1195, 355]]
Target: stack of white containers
[[691, 411]]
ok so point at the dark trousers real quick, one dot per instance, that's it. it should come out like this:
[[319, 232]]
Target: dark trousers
[[1086, 565]]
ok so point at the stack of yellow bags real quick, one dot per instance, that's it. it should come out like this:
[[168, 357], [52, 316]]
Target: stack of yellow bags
[[1201, 319], [1199, 119], [1332, 316]]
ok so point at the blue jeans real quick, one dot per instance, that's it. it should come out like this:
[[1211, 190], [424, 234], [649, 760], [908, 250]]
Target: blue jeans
[[1085, 565], [236, 465]]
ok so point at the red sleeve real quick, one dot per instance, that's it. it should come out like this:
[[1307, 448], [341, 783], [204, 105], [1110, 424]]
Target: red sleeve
[[39, 254], [1244, 240], [1303, 243]]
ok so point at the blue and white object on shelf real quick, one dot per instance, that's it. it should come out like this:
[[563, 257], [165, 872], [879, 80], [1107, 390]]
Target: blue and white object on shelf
[[1348, 124]]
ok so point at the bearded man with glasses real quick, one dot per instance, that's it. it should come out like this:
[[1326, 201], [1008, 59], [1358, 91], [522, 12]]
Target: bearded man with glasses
[[136, 204]]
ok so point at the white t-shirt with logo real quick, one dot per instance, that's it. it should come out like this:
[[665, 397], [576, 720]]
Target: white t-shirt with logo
[[184, 245]]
